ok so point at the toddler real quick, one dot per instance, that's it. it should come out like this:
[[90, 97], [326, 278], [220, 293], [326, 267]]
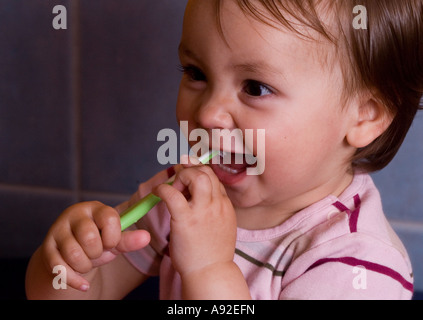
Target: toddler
[[335, 101]]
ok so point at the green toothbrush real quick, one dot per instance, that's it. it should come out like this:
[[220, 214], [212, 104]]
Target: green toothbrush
[[143, 206]]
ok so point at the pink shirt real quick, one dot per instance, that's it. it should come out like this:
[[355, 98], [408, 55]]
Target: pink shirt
[[338, 248]]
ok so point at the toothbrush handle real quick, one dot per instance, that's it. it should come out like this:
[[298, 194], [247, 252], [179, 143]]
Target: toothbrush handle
[[138, 210]]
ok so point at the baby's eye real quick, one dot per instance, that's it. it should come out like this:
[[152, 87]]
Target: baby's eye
[[193, 73], [256, 89]]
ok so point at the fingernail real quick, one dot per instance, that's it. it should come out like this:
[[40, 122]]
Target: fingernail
[[84, 287], [184, 159], [194, 160]]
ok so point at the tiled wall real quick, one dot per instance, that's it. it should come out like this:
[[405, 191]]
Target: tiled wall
[[80, 110]]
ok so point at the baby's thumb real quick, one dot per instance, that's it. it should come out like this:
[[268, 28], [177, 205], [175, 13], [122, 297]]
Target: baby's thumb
[[133, 241]]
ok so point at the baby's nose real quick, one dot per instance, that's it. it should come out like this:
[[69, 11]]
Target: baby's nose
[[217, 113]]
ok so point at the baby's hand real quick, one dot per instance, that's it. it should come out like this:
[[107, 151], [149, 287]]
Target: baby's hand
[[86, 236], [203, 220]]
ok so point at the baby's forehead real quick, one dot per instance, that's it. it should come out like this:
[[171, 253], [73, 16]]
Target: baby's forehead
[[256, 36], [317, 22], [307, 18]]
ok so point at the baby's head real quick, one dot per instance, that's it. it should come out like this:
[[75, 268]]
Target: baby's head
[[330, 97], [379, 47]]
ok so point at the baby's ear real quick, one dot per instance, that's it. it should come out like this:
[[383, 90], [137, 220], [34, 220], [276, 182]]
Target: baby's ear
[[371, 119]]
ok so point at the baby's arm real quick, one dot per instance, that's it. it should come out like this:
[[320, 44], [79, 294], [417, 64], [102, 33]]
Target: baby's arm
[[86, 240], [203, 236]]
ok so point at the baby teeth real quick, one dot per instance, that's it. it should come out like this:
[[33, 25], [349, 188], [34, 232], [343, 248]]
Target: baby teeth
[[229, 170]]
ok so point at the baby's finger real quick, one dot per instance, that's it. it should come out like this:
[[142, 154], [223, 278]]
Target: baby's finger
[[133, 241], [174, 199], [62, 274], [88, 237], [199, 184], [217, 187], [108, 222], [74, 255], [189, 161]]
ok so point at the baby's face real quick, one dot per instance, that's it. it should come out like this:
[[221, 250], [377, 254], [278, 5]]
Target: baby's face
[[262, 77]]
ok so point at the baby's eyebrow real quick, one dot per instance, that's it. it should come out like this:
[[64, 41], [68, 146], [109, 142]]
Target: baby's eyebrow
[[183, 50], [257, 67], [253, 67]]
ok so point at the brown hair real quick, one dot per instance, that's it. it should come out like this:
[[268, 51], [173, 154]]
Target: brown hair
[[386, 58]]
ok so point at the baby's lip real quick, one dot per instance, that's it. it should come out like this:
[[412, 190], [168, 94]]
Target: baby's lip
[[228, 170]]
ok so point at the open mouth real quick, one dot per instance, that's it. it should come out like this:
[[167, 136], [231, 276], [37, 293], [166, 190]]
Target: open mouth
[[231, 167]]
